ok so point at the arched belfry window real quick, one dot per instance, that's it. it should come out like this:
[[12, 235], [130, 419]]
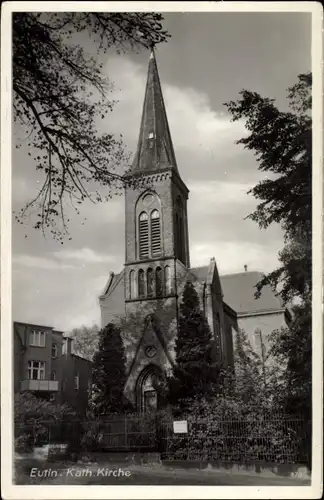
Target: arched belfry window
[[132, 285], [143, 235], [167, 280], [141, 283], [149, 279], [149, 242], [155, 233], [158, 282]]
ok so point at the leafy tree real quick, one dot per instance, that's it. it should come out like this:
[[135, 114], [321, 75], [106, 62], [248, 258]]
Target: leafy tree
[[60, 95], [34, 415], [109, 375], [292, 348], [249, 382], [85, 341], [195, 371], [282, 143], [29, 409]]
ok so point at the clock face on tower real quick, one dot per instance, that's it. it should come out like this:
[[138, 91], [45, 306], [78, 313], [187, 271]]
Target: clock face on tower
[[150, 351]]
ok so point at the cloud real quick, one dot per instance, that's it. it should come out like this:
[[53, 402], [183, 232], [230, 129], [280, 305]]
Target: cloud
[[39, 262], [220, 193], [85, 255], [231, 256], [194, 125]]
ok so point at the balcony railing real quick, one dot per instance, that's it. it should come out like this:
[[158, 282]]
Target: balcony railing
[[40, 385]]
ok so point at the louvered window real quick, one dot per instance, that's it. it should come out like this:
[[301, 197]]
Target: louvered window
[[158, 282], [143, 235], [150, 282], [155, 233], [141, 283]]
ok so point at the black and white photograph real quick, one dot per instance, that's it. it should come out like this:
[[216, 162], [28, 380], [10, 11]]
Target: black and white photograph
[[160, 279]]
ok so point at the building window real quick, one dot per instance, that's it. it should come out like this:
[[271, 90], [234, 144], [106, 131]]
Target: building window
[[257, 341], [143, 235], [141, 283], [53, 375], [155, 233], [76, 382], [132, 285], [36, 370], [54, 351], [167, 280], [150, 290], [158, 282], [37, 338]]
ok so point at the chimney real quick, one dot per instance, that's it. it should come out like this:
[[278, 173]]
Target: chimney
[[245, 267], [67, 345]]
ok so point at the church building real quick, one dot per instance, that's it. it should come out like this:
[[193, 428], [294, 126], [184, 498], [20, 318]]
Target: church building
[[144, 297]]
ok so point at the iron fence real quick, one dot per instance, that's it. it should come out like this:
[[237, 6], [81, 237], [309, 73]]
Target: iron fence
[[276, 440], [279, 440]]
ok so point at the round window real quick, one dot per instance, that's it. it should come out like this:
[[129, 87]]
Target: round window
[[150, 351]]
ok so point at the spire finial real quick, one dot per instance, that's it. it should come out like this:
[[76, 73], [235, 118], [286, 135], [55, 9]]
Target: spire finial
[[152, 44]]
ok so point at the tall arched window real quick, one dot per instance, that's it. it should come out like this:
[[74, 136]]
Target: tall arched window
[[258, 341], [149, 277], [176, 234], [167, 280], [141, 283], [132, 285], [155, 233], [143, 235], [158, 276], [179, 230], [217, 324]]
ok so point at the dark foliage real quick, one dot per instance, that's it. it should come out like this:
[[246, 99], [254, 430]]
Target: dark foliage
[[282, 143], [195, 372], [109, 373]]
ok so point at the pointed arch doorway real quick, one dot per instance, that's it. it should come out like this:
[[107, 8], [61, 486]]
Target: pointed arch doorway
[[147, 389]]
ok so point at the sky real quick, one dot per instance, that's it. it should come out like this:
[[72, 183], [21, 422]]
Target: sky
[[208, 60]]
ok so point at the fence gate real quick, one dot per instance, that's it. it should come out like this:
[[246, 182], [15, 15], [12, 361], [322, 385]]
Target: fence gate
[[123, 433]]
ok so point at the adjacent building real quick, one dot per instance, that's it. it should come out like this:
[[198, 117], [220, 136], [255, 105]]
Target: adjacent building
[[45, 365]]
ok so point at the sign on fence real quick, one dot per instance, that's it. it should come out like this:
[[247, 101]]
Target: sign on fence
[[57, 450], [180, 427]]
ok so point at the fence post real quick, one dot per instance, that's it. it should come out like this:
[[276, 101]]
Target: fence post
[[49, 436], [126, 437]]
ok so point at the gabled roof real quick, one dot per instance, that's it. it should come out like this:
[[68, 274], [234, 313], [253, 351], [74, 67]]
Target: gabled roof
[[114, 281], [239, 289], [155, 149]]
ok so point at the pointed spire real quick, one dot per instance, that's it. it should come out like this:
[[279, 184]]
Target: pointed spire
[[154, 150]]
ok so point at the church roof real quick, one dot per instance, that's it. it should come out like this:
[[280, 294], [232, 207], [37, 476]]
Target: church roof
[[239, 289], [154, 150]]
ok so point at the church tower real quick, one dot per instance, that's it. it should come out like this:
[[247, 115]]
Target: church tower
[[156, 248], [156, 231]]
